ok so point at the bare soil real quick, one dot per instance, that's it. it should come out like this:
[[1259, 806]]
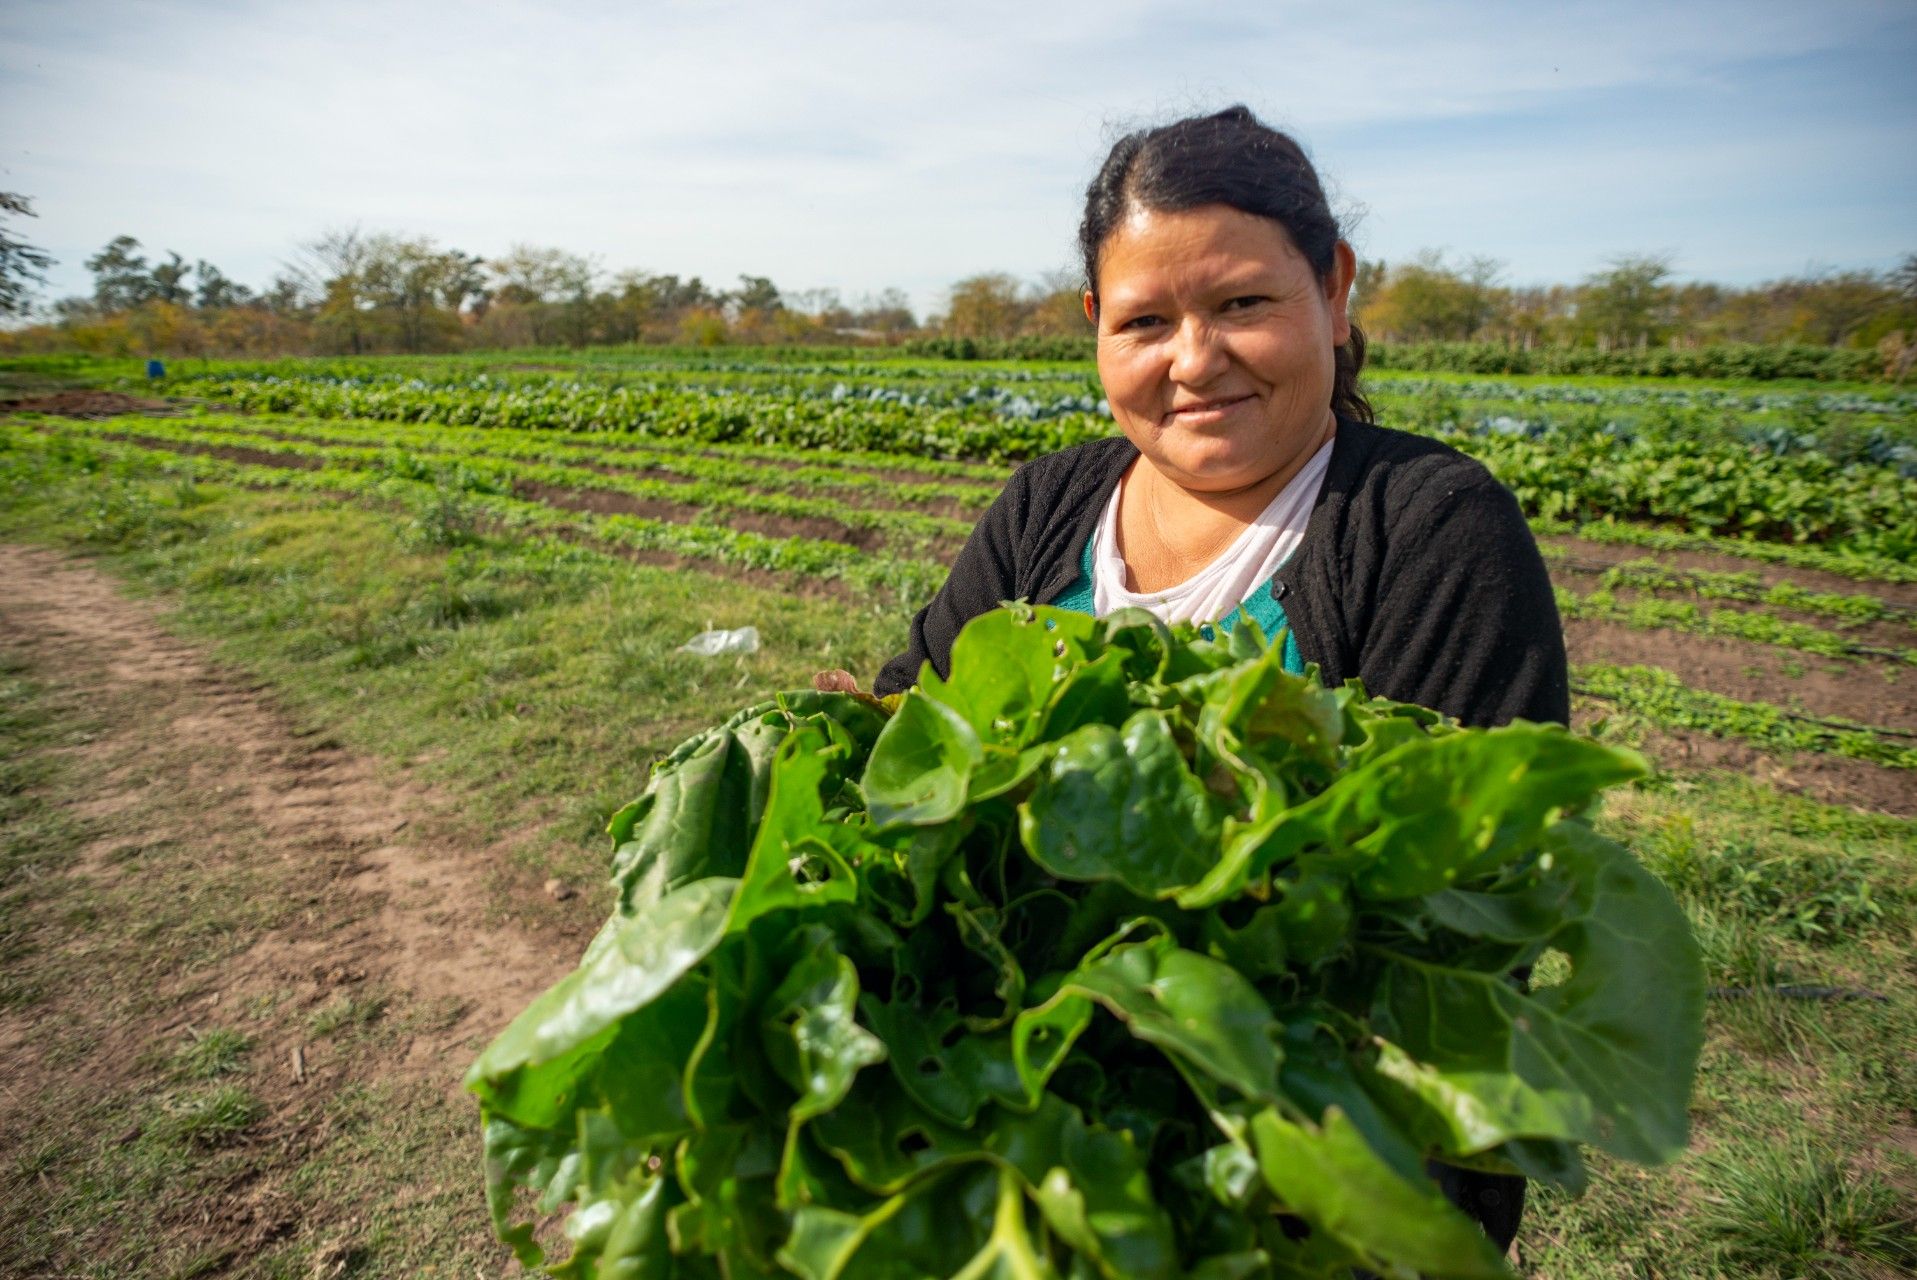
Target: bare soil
[[1826, 778], [609, 502], [85, 404], [1887, 633], [1605, 554], [230, 453], [1867, 692]]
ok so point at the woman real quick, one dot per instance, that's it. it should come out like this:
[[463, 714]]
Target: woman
[[1249, 471]]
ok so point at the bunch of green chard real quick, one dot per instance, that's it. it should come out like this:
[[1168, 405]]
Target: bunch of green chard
[[1121, 952]]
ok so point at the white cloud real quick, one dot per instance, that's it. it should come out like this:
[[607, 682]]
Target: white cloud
[[819, 143]]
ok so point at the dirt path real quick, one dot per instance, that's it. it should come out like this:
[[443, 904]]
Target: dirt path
[[420, 926], [233, 874]]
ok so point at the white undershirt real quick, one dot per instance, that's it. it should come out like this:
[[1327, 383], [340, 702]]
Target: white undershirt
[[1217, 590]]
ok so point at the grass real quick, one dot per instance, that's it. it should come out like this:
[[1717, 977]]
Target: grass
[[532, 684], [1790, 1209], [219, 1052], [209, 1117]]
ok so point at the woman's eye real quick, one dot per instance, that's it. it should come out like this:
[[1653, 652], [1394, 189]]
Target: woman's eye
[[1249, 300], [1140, 322]]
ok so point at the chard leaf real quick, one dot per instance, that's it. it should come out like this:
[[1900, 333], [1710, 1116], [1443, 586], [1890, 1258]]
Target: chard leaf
[[798, 859], [1120, 804], [915, 1233], [1190, 1006], [697, 818], [646, 956], [1006, 667], [1327, 1175], [921, 766], [1605, 1058]]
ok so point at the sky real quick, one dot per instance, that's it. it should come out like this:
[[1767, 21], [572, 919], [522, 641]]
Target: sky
[[860, 146]]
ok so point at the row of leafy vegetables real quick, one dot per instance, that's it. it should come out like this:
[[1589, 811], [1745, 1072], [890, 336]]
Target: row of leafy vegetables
[[1121, 952]]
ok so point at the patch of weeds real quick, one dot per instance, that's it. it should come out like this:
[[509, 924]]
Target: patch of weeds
[[219, 1052], [427, 1016], [447, 519], [209, 1117], [1782, 1208], [199, 1262], [40, 1159], [348, 1013]]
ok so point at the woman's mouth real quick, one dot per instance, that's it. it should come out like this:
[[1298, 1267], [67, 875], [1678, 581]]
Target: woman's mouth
[[1200, 412]]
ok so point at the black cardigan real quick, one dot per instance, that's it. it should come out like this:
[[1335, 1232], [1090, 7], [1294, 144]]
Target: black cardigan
[[1417, 574]]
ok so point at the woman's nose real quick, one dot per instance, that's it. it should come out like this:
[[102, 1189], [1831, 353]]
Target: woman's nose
[[1198, 354]]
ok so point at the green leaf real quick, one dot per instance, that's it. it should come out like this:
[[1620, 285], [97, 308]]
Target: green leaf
[[698, 814], [921, 765], [1327, 1175], [1120, 804], [798, 859], [1190, 1006], [645, 957], [1607, 1057]]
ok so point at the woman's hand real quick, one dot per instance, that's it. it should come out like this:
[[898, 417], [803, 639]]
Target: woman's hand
[[836, 681]]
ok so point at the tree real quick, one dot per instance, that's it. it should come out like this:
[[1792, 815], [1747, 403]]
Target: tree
[[169, 280], [1057, 307], [1904, 278], [21, 265], [1629, 304], [756, 293], [531, 273], [1427, 301], [416, 289], [215, 290], [889, 311], [121, 280], [985, 306]]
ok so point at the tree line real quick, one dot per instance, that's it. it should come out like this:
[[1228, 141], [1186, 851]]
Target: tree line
[[352, 292]]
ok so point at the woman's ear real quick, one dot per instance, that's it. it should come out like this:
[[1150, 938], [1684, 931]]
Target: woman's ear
[[1091, 308], [1344, 269]]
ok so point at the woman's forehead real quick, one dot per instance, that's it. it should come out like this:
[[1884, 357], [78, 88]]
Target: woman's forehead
[[1151, 250]]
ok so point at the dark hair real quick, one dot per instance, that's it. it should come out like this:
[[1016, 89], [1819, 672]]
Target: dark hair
[[1230, 158]]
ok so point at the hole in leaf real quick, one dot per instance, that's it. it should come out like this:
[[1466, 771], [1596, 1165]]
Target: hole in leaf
[[953, 1034], [1551, 969], [930, 1066], [913, 1141]]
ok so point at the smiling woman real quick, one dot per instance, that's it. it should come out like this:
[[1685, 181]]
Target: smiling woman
[[1250, 480]]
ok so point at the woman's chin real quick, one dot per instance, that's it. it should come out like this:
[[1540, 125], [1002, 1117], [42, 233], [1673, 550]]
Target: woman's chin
[[1215, 475]]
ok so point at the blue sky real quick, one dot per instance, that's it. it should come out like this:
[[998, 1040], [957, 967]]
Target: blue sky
[[860, 146]]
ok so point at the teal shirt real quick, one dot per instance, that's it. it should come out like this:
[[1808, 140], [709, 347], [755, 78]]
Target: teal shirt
[[1262, 606]]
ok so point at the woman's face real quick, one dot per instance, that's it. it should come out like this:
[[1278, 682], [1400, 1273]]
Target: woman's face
[[1215, 344]]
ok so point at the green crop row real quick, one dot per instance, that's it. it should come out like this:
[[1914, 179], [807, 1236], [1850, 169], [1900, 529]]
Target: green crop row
[[1626, 533], [481, 473], [1649, 575], [1661, 698], [1802, 498], [450, 495], [1737, 624], [715, 467], [1696, 487]]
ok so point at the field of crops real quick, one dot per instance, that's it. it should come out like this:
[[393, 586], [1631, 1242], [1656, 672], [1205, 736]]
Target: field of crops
[[1736, 565]]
